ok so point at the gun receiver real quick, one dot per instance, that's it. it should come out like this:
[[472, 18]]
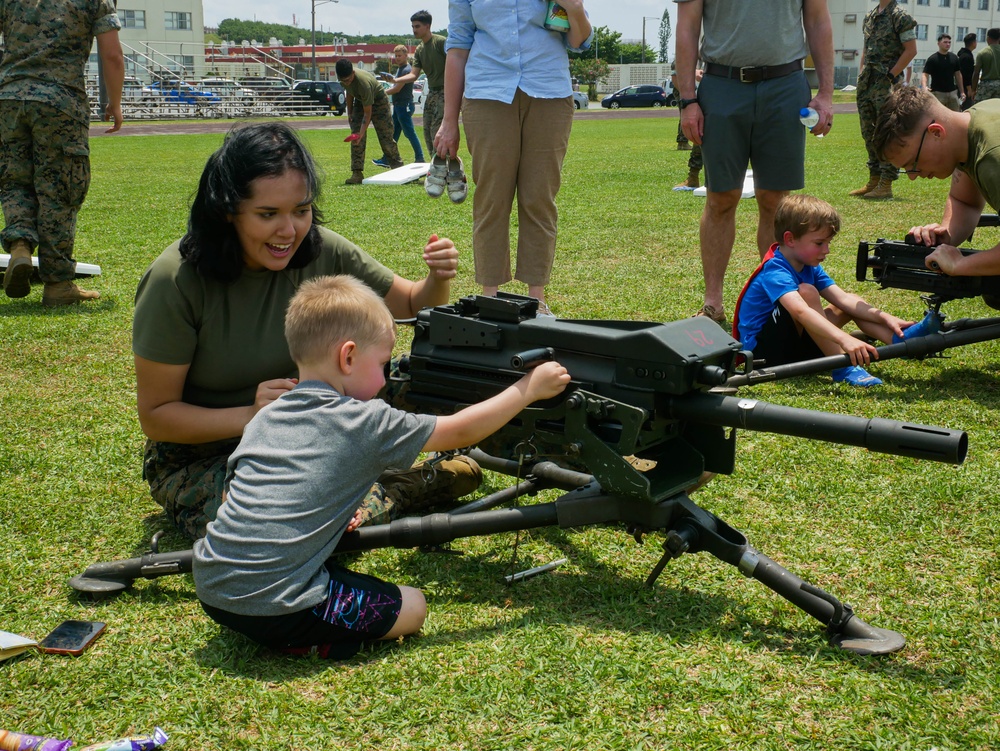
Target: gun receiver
[[638, 390], [901, 265]]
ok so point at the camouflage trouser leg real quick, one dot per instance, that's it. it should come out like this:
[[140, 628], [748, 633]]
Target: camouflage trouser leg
[[382, 123], [187, 481], [873, 90], [988, 90], [695, 162], [44, 178], [433, 115]]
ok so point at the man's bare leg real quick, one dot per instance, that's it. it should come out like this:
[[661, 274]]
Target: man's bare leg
[[717, 235], [767, 205]]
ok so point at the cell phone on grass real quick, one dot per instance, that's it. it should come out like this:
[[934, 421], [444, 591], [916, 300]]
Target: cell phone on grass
[[71, 637]]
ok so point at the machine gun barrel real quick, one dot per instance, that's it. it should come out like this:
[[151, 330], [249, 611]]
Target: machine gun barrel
[[958, 334], [875, 434]]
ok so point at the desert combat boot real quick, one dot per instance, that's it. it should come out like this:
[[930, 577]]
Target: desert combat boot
[[868, 188], [17, 277], [693, 180], [882, 191], [56, 294]]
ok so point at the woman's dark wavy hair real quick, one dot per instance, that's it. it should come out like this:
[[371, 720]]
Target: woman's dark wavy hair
[[249, 152]]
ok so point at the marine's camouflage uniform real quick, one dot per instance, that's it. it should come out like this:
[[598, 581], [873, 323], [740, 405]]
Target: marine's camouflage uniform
[[884, 33], [381, 121], [433, 116], [988, 88], [44, 123]]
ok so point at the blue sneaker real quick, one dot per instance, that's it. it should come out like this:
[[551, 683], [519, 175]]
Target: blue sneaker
[[380, 162], [931, 324], [855, 375]]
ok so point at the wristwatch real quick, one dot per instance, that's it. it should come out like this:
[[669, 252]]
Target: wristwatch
[[685, 102]]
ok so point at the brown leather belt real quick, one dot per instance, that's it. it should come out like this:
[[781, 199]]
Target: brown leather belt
[[753, 75]]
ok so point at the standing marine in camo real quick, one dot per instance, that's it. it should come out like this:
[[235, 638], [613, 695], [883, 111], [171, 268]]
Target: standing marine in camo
[[890, 44], [44, 134]]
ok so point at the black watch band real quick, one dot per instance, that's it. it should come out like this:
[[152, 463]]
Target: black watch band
[[685, 102]]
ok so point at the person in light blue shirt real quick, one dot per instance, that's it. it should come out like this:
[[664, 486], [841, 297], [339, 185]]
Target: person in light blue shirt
[[517, 111]]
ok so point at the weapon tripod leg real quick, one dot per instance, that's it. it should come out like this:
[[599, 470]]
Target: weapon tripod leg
[[846, 629]]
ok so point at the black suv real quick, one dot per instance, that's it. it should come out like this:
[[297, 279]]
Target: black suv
[[328, 94]]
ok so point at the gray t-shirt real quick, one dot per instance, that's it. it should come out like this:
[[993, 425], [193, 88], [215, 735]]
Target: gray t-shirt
[[752, 32], [305, 464]]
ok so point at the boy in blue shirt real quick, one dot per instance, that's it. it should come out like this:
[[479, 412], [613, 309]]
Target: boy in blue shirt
[[304, 466], [780, 315]]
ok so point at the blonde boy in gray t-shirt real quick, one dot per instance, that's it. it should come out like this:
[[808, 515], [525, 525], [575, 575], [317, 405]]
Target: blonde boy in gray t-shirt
[[304, 466]]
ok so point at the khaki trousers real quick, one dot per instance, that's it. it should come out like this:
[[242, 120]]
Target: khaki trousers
[[517, 150]]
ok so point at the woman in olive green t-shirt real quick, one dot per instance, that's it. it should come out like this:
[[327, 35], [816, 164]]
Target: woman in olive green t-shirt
[[208, 331]]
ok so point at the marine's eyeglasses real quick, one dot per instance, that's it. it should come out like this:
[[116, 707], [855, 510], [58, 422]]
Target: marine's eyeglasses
[[914, 170]]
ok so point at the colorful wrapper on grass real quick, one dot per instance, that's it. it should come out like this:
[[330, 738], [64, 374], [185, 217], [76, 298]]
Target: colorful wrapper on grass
[[19, 742], [130, 744]]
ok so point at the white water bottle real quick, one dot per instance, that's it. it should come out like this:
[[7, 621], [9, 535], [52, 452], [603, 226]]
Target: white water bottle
[[809, 117]]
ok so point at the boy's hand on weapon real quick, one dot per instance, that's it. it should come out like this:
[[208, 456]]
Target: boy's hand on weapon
[[861, 353], [545, 381]]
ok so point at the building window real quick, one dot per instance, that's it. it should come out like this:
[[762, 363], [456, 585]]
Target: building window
[[944, 3], [984, 4], [964, 3], [132, 19], [921, 31], [942, 30], [981, 34], [177, 21], [923, 2], [960, 32]]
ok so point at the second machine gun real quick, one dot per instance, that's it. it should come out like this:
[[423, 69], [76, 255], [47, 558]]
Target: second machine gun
[[639, 391]]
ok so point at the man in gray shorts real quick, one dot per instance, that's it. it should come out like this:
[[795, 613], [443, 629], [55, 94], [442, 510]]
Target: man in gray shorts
[[746, 111]]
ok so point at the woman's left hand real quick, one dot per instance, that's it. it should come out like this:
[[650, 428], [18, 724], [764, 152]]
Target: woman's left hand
[[441, 258]]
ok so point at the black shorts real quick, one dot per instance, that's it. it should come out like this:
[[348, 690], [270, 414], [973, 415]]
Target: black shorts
[[358, 608], [780, 341]]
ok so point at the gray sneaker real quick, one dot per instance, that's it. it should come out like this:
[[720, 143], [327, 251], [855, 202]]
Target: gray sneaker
[[437, 177], [458, 186]]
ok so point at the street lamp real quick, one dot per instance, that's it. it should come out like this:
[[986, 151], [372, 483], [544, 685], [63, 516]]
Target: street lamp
[[320, 2], [655, 18]]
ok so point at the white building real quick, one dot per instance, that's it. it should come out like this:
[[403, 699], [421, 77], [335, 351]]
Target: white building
[[933, 17], [161, 36]]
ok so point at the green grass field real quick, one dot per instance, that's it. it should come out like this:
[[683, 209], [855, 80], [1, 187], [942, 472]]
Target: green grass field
[[586, 657]]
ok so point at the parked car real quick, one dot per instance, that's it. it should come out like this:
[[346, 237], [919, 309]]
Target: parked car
[[228, 89], [580, 101], [636, 96], [131, 89], [671, 94], [178, 92], [328, 94], [265, 85]]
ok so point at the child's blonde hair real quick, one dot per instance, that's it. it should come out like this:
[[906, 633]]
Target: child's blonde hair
[[800, 213], [331, 309], [401, 48]]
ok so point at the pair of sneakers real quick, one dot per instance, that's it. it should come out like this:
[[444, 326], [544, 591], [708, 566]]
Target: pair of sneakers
[[446, 173]]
